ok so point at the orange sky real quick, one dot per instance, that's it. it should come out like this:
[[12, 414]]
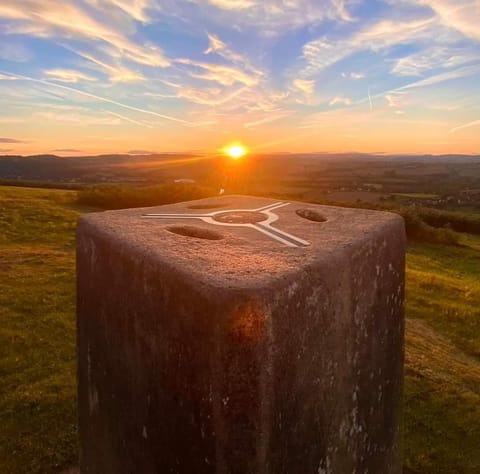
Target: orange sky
[[115, 76]]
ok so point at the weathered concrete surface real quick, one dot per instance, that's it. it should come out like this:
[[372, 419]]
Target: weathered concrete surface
[[236, 353]]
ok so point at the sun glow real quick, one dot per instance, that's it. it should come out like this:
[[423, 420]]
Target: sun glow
[[235, 151]]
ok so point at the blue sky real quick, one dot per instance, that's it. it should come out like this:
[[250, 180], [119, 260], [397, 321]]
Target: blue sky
[[302, 75]]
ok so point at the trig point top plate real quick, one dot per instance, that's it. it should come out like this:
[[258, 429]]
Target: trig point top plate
[[242, 239]]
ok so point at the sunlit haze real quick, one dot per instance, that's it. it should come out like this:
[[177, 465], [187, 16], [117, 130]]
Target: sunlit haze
[[141, 76]]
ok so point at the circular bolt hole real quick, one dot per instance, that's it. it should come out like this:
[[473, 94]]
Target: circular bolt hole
[[311, 215], [196, 232], [207, 206], [240, 217]]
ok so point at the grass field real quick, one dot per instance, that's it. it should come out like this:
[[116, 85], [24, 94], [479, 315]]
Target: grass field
[[37, 330], [442, 385], [416, 195], [37, 343]]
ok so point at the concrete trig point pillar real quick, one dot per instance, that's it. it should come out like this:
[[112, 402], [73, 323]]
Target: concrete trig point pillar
[[240, 335]]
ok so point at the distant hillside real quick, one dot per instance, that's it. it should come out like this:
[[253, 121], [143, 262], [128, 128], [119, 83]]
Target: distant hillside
[[86, 169], [312, 173]]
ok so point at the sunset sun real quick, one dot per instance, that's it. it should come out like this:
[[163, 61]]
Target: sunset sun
[[235, 151]]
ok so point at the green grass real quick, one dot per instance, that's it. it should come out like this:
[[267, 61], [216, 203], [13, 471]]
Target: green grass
[[37, 331], [37, 342], [442, 367], [444, 289]]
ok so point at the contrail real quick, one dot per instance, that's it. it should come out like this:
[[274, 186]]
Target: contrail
[[465, 125], [97, 97], [370, 100]]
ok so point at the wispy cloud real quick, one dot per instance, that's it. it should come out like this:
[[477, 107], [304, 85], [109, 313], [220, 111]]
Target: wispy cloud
[[48, 18], [99, 98], [460, 14], [224, 75], [305, 86], [215, 44], [3, 77], [212, 97], [340, 101], [67, 150], [323, 52], [439, 56], [340, 8], [266, 120], [442, 77], [274, 17], [68, 75], [10, 140], [137, 9], [394, 98], [354, 75], [140, 152], [233, 4], [357, 75], [116, 73]]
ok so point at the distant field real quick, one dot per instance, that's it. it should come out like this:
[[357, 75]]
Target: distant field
[[417, 195], [37, 343], [355, 196]]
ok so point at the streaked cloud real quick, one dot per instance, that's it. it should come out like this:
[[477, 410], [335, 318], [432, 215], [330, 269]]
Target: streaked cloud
[[67, 150], [394, 98], [340, 101], [444, 76], [100, 98], [462, 15], [10, 140], [140, 152], [49, 18], [223, 74], [274, 17], [306, 86], [68, 75], [220, 48], [324, 52], [354, 75], [137, 9], [4, 77], [233, 4], [215, 44], [116, 72], [439, 56]]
